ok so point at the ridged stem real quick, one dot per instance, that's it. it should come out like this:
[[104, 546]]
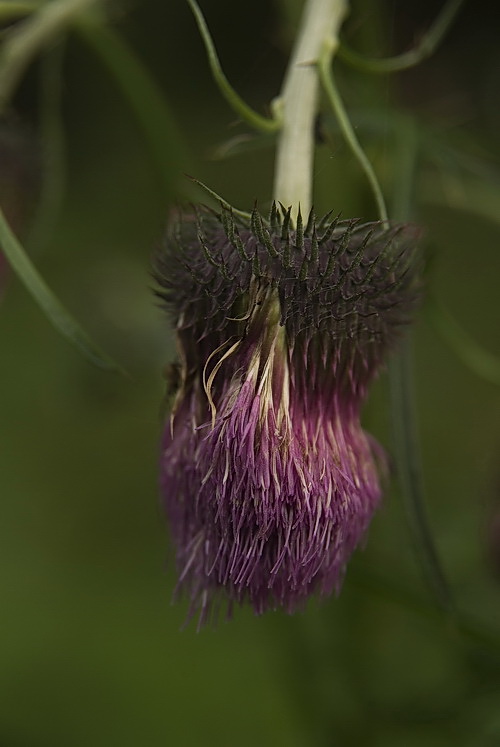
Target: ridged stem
[[297, 103]]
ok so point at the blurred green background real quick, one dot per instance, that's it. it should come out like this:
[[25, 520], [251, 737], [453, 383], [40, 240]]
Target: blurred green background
[[91, 649]]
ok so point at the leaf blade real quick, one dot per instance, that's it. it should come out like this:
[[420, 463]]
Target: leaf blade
[[53, 309]]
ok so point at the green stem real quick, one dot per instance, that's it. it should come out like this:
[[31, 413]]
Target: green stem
[[298, 103], [400, 368], [255, 120], [427, 46], [328, 82]]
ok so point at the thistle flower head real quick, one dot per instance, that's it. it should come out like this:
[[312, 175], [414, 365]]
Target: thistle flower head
[[268, 479]]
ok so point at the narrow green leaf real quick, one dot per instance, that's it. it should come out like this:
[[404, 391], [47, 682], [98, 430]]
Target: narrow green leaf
[[50, 305], [335, 101], [234, 100], [427, 46]]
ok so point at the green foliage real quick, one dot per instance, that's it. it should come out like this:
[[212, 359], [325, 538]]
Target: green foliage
[[50, 305]]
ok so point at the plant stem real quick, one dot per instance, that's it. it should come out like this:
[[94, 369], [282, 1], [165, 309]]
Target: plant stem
[[428, 44], [347, 129], [321, 21], [264, 124]]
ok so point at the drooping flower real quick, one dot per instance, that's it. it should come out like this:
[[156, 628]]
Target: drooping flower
[[268, 479]]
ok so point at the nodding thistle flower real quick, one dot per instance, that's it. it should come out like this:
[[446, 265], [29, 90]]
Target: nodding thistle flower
[[268, 479]]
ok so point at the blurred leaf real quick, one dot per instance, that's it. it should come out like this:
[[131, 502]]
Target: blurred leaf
[[239, 144], [480, 361], [53, 148], [48, 302], [464, 165], [409, 471], [144, 97], [473, 196], [459, 152], [402, 390], [23, 44], [371, 579]]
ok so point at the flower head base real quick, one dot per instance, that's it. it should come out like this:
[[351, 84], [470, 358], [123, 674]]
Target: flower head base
[[268, 479]]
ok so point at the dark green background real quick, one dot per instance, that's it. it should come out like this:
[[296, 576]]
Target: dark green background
[[91, 651]]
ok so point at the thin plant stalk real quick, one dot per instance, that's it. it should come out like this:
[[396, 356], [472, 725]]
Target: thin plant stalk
[[401, 366], [298, 104], [347, 129], [427, 46], [248, 115]]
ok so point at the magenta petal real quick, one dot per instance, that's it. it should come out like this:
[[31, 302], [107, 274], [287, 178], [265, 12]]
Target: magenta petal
[[270, 513]]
